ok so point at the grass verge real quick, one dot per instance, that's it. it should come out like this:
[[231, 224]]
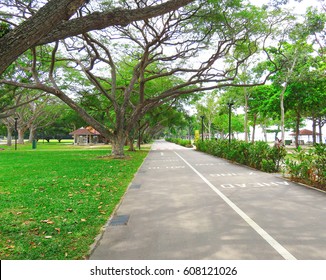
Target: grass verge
[[53, 203]]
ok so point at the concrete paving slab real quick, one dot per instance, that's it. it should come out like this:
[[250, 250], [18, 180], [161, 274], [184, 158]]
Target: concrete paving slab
[[174, 214]]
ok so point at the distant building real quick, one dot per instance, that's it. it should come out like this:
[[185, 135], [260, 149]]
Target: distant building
[[305, 136], [87, 136]]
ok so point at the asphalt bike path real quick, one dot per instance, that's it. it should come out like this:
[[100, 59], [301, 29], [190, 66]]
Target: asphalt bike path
[[184, 204]]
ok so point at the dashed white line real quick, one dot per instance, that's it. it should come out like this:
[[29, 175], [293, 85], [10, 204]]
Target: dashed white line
[[268, 238]]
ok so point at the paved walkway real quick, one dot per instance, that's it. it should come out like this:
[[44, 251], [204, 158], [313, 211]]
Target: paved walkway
[[185, 204]]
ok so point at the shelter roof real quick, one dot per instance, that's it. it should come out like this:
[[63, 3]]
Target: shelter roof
[[305, 132], [85, 131]]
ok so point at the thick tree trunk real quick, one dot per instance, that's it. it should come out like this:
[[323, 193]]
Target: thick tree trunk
[[131, 145], [21, 133], [118, 143], [9, 136], [32, 131]]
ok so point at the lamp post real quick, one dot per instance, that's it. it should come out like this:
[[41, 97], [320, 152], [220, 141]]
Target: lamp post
[[202, 127], [230, 103], [16, 132]]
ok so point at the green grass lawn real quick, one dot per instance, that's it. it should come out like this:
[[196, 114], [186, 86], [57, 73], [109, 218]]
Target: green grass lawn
[[55, 199]]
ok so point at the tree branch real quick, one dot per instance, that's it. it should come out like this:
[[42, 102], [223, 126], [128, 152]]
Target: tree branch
[[50, 24]]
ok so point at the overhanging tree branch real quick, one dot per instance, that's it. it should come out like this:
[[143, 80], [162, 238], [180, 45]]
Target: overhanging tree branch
[[51, 23]]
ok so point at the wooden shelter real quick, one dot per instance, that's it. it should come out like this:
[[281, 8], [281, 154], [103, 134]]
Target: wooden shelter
[[86, 136], [305, 136]]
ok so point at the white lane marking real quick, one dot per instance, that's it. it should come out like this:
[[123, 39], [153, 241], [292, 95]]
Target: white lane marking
[[270, 240]]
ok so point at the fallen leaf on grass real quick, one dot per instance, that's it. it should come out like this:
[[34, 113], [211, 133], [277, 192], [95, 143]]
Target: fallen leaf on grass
[[48, 237], [33, 244], [83, 220], [47, 222]]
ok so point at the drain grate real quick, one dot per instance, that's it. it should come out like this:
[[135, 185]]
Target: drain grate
[[119, 220], [135, 186]]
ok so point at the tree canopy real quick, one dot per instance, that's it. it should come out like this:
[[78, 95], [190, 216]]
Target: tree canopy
[[114, 73]]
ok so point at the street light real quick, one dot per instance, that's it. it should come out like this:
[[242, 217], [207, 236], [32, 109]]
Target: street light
[[16, 132], [230, 104], [202, 128]]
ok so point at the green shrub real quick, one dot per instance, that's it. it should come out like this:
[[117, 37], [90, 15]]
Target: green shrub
[[320, 163], [308, 166], [182, 142], [258, 155], [257, 152]]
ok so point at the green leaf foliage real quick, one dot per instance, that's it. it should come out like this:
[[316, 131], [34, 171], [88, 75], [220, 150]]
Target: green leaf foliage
[[258, 155]]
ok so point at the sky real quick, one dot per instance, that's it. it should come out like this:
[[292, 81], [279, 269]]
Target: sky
[[298, 7]]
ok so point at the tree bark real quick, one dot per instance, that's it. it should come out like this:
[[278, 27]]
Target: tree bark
[[131, 144], [254, 129], [320, 131], [34, 28], [32, 131], [246, 115], [9, 136], [98, 21], [297, 129], [21, 133], [118, 142], [314, 126], [264, 132], [282, 113], [51, 24]]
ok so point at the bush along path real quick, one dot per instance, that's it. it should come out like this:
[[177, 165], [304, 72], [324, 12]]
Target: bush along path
[[308, 166], [305, 166], [182, 142], [258, 155]]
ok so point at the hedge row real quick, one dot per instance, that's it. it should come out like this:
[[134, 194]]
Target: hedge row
[[182, 142], [258, 155], [308, 166]]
